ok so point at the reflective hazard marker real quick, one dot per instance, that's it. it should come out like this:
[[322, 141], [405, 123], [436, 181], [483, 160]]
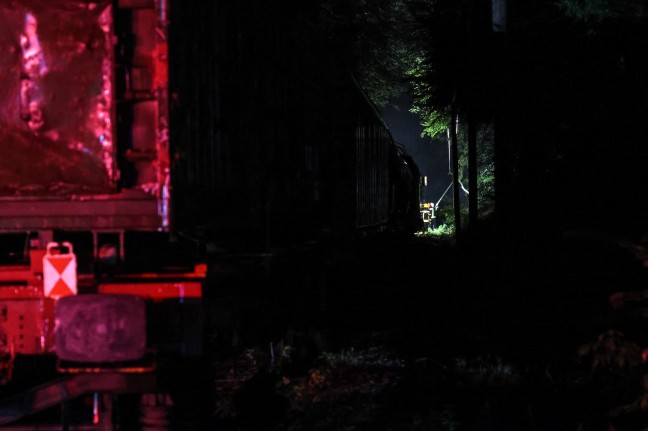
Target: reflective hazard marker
[[59, 272]]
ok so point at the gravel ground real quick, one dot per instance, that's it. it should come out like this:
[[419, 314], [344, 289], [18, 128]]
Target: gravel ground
[[418, 333]]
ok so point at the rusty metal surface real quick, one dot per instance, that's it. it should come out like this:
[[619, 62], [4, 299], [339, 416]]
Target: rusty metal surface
[[56, 109], [100, 328], [118, 212], [26, 324]]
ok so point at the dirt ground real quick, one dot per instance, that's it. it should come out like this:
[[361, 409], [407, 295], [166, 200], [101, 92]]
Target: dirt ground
[[423, 334]]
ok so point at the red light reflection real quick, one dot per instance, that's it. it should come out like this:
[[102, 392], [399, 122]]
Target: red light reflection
[[56, 124]]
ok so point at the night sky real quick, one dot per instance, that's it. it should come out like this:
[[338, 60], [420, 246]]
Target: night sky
[[430, 155]]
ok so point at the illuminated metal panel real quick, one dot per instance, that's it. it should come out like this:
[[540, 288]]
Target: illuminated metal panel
[[156, 291], [83, 115], [56, 101], [26, 323]]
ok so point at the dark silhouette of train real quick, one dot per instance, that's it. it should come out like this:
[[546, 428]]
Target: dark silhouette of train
[[275, 133]]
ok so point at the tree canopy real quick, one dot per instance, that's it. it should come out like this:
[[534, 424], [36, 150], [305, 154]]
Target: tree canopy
[[377, 40], [600, 10], [568, 83]]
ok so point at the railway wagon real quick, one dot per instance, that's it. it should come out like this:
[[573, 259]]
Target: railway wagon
[[276, 135], [135, 135]]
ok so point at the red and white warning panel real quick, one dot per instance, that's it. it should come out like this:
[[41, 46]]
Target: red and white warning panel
[[59, 271]]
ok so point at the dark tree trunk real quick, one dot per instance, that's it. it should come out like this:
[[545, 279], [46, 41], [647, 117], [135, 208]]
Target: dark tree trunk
[[454, 152], [472, 173], [503, 158]]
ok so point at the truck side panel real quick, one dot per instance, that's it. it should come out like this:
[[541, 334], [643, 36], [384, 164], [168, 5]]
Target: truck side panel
[[56, 99], [83, 116]]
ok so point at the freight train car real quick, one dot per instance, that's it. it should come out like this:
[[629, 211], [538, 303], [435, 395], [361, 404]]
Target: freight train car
[[274, 140], [126, 124]]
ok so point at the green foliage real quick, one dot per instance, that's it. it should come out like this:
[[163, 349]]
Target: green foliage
[[378, 40], [445, 215], [599, 10], [442, 230], [485, 162], [487, 370], [486, 168], [428, 48], [434, 118], [434, 122], [371, 358], [444, 233], [585, 9]]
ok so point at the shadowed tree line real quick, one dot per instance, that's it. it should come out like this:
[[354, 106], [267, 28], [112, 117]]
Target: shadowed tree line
[[564, 88]]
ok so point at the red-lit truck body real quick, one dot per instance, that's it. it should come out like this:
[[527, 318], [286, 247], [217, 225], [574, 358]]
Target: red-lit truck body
[[84, 144], [83, 116]]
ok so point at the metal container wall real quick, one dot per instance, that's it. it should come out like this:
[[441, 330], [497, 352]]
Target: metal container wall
[[373, 142], [272, 139], [244, 159], [84, 127], [56, 101]]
